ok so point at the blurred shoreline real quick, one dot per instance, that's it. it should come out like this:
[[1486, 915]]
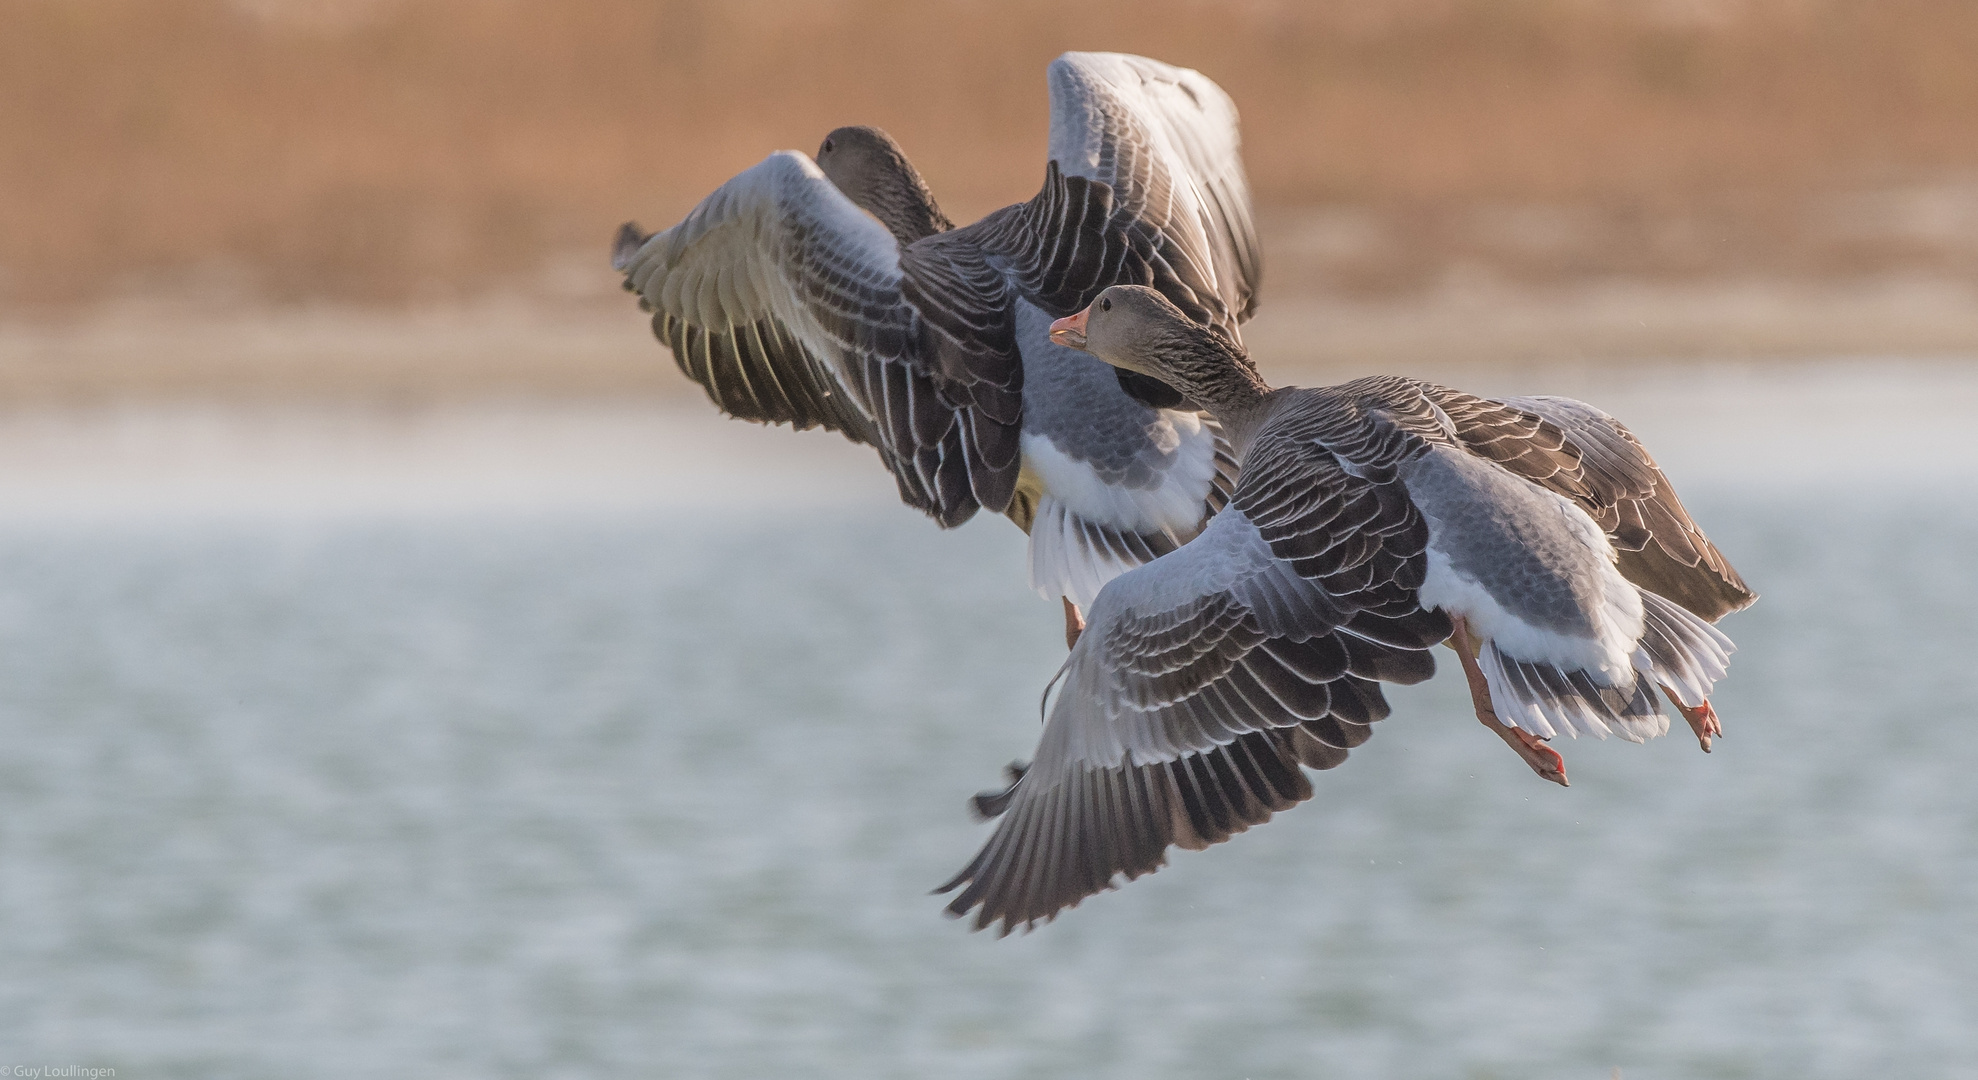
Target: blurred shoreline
[[598, 346], [1733, 425]]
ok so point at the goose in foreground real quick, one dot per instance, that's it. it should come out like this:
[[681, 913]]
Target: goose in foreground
[[1372, 521], [835, 293]]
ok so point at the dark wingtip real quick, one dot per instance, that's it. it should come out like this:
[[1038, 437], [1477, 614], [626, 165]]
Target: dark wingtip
[[627, 244], [951, 885], [989, 805]]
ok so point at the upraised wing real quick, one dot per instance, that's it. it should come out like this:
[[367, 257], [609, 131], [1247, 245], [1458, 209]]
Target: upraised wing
[[1580, 452], [1206, 679], [1166, 140], [791, 305]]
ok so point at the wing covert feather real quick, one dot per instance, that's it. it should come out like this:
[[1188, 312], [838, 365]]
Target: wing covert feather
[[1166, 140], [1584, 454]]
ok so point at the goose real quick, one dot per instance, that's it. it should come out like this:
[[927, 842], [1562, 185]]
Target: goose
[[1371, 521], [835, 293]]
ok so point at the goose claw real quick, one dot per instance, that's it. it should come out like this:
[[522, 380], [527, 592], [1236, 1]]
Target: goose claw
[[1703, 720], [1544, 760]]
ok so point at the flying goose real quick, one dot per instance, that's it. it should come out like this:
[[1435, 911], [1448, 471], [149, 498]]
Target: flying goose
[[1371, 521], [835, 293]]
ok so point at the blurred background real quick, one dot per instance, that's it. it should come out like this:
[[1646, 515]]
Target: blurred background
[[1595, 179], [403, 668]]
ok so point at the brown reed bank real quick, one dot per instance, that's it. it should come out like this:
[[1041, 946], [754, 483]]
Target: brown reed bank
[[395, 151]]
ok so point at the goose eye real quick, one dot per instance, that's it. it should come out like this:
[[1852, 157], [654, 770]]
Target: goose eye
[[827, 146], [1105, 305]]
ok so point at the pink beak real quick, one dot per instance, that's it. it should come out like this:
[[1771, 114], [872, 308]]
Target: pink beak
[[1070, 330]]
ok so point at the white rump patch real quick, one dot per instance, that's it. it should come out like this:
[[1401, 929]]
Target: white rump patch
[[1606, 656], [1174, 505], [1088, 531]]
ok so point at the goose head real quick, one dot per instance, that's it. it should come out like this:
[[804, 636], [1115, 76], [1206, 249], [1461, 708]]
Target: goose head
[[872, 171], [1135, 328]]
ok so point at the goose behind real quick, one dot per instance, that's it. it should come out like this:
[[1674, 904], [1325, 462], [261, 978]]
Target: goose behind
[[837, 293]]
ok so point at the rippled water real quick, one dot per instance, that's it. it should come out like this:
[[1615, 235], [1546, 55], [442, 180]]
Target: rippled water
[[656, 784]]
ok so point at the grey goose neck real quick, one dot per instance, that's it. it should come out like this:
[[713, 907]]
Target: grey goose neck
[[871, 169], [1138, 330]]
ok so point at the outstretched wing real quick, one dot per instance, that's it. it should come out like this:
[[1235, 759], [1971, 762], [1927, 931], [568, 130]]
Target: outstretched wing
[[1578, 451], [791, 305], [1206, 679], [782, 299], [1166, 140]]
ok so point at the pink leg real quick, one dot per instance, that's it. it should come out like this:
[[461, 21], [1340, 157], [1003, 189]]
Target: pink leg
[[1702, 719], [1544, 760], [1074, 623]]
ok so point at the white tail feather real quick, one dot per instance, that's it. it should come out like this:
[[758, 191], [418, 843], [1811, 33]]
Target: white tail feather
[[1074, 558], [1677, 650], [1681, 651], [1547, 701]]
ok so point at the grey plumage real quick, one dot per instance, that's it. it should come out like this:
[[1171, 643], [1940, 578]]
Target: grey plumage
[[1576, 450], [1209, 676], [1507, 542]]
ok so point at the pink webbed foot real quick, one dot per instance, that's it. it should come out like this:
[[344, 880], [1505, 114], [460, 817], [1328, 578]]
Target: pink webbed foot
[[1702, 720], [1544, 760]]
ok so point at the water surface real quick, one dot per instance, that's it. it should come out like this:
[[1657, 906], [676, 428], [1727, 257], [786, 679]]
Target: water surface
[[527, 742]]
